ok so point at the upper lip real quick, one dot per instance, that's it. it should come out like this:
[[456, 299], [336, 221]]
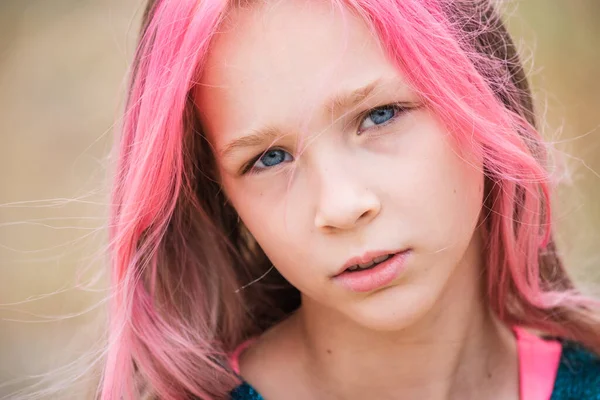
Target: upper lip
[[365, 258]]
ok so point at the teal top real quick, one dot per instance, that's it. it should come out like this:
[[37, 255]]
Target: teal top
[[578, 375], [577, 378]]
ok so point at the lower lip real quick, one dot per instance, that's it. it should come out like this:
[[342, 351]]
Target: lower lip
[[372, 279]]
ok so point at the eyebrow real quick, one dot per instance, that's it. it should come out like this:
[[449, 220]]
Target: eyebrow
[[349, 100], [334, 105], [255, 138]]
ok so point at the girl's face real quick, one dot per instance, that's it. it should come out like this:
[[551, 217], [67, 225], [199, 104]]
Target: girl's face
[[327, 155]]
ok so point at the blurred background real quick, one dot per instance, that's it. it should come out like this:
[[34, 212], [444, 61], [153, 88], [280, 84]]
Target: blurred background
[[62, 70]]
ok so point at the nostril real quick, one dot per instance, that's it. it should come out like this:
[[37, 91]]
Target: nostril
[[364, 215], [345, 210]]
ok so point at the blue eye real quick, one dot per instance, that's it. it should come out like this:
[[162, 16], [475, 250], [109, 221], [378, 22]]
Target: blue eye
[[379, 116], [271, 158]]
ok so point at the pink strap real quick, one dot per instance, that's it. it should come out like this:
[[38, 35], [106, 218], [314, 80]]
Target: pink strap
[[234, 359], [538, 364]]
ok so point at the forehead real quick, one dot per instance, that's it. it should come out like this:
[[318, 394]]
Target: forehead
[[275, 63]]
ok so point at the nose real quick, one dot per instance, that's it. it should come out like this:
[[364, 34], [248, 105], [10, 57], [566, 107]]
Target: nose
[[344, 203]]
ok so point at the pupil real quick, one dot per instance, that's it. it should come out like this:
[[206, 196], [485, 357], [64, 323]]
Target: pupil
[[273, 157], [382, 115]]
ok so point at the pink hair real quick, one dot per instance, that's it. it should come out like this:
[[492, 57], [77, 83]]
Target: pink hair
[[179, 253]]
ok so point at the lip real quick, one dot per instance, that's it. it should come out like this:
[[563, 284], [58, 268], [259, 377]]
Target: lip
[[372, 279], [365, 258]]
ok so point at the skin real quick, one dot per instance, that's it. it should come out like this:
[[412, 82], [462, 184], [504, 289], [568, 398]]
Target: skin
[[345, 184]]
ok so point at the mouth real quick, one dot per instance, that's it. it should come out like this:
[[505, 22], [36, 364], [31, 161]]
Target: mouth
[[367, 261], [370, 264], [372, 271]]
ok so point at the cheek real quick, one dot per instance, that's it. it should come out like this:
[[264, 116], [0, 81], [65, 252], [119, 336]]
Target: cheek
[[442, 192], [457, 202], [268, 213], [273, 218], [457, 214], [277, 218]]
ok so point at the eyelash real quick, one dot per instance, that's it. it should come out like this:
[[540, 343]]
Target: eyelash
[[399, 109]]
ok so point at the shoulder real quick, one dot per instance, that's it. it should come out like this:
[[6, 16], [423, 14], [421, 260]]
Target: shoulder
[[578, 375], [260, 365]]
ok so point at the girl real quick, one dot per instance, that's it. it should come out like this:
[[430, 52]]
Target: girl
[[340, 199]]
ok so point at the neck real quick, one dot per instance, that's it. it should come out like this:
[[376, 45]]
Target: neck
[[459, 350]]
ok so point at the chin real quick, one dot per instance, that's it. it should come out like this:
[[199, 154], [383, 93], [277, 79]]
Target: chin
[[392, 309]]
